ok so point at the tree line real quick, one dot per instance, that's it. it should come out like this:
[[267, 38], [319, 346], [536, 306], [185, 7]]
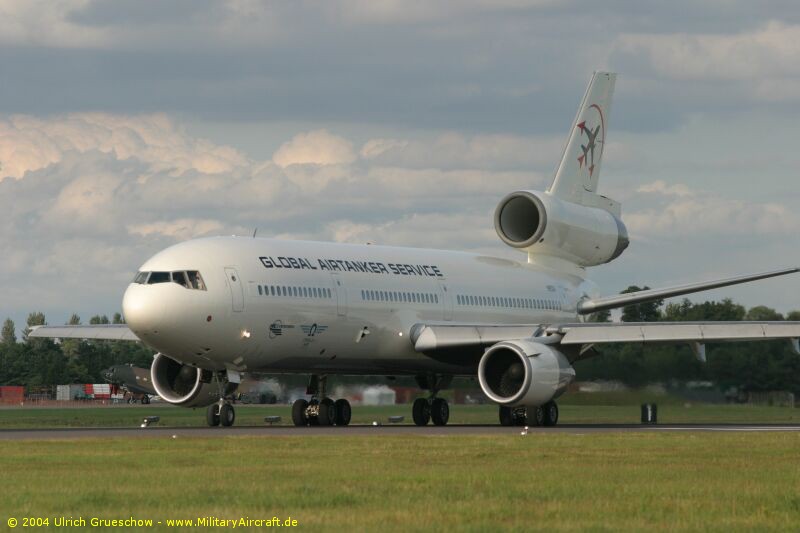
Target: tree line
[[747, 366], [43, 362]]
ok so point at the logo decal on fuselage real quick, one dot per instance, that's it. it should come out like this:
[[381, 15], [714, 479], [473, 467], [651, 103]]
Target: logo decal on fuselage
[[595, 132], [277, 327], [312, 330]]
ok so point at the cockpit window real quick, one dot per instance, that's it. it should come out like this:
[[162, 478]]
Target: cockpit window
[[188, 279], [196, 280], [180, 279], [158, 277]]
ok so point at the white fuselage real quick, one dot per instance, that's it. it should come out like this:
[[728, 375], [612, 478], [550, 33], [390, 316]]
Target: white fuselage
[[292, 306]]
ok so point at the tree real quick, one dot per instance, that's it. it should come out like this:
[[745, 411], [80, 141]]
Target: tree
[[793, 316], [600, 316], [34, 319], [643, 312], [117, 319], [97, 319], [9, 336], [763, 313]]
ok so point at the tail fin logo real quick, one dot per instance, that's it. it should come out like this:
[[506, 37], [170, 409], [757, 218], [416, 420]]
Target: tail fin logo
[[595, 140]]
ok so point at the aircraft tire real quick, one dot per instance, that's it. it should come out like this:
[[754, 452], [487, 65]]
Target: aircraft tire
[[212, 415], [440, 412], [421, 412], [550, 413], [299, 417], [227, 415], [343, 412], [536, 416], [145, 399], [327, 412], [506, 416]]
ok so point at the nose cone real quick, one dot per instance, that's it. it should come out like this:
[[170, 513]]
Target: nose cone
[[143, 310]]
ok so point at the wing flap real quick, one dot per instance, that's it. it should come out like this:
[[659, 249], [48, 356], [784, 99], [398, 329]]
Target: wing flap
[[111, 332], [675, 332]]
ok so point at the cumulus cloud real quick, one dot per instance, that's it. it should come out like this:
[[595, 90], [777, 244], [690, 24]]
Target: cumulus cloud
[[318, 147], [681, 212]]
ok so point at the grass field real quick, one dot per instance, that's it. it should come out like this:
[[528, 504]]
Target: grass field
[[575, 410], [601, 482]]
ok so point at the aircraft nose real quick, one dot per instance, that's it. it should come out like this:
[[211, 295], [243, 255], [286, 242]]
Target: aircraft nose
[[142, 309]]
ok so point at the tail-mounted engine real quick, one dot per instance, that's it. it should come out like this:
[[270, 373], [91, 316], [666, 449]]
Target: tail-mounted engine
[[181, 384], [540, 223], [524, 372]]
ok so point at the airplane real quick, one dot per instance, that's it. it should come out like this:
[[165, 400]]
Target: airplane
[[215, 308], [134, 380]]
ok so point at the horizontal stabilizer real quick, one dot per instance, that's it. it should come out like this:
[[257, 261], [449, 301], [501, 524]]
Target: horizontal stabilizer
[[621, 300], [110, 332]]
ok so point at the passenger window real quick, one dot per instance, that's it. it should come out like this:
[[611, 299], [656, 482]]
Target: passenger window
[[260, 293], [435, 299], [158, 277]]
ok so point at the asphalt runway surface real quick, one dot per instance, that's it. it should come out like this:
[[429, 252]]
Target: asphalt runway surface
[[371, 430]]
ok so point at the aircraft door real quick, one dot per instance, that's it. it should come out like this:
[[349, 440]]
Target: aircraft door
[[235, 285], [447, 302], [340, 292]]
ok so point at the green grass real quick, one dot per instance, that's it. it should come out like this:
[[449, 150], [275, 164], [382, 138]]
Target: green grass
[[121, 416], [545, 482], [574, 410]]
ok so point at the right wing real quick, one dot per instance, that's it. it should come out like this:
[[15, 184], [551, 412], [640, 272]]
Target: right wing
[[111, 332]]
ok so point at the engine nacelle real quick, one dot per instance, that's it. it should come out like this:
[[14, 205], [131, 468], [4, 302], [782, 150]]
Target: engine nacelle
[[543, 224], [181, 384], [524, 372]]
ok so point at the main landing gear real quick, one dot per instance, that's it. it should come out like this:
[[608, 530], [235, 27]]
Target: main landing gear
[[222, 413], [432, 408], [320, 410], [542, 415]]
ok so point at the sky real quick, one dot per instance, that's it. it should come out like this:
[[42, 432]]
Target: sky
[[130, 125]]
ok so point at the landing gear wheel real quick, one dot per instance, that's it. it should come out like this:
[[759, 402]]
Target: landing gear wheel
[[145, 399], [550, 413], [212, 415], [536, 416], [343, 412], [299, 412], [506, 416], [421, 411], [440, 411], [327, 412], [226, 415]]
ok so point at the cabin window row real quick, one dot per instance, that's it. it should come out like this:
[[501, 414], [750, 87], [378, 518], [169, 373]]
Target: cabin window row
[[505, 301], [369, 295], [295, 292]]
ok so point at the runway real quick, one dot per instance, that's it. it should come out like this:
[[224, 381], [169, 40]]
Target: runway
[[387, 430]]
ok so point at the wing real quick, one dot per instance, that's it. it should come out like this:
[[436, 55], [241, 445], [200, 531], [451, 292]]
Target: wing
[[432, 338], [111, 332]]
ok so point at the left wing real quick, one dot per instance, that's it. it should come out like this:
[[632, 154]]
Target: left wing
[[111, 332], [435, 337]]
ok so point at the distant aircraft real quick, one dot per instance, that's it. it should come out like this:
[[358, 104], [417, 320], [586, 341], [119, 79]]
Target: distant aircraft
[[135, 381], [217, 307]]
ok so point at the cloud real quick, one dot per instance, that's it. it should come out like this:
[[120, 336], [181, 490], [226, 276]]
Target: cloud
[[677, 211], [318, 147]]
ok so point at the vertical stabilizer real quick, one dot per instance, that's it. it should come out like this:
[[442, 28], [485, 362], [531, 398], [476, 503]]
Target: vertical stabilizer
[[579, 169]]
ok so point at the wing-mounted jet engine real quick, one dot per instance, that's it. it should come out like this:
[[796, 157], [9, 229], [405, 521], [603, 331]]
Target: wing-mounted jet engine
[[181, 384]]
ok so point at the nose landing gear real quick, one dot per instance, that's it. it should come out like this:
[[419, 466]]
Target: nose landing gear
[[221, 412]]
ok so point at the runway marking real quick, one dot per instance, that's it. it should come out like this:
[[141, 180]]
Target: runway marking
[[720, 428]]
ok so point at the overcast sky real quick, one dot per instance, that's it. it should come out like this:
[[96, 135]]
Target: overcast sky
[[129, 125]]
